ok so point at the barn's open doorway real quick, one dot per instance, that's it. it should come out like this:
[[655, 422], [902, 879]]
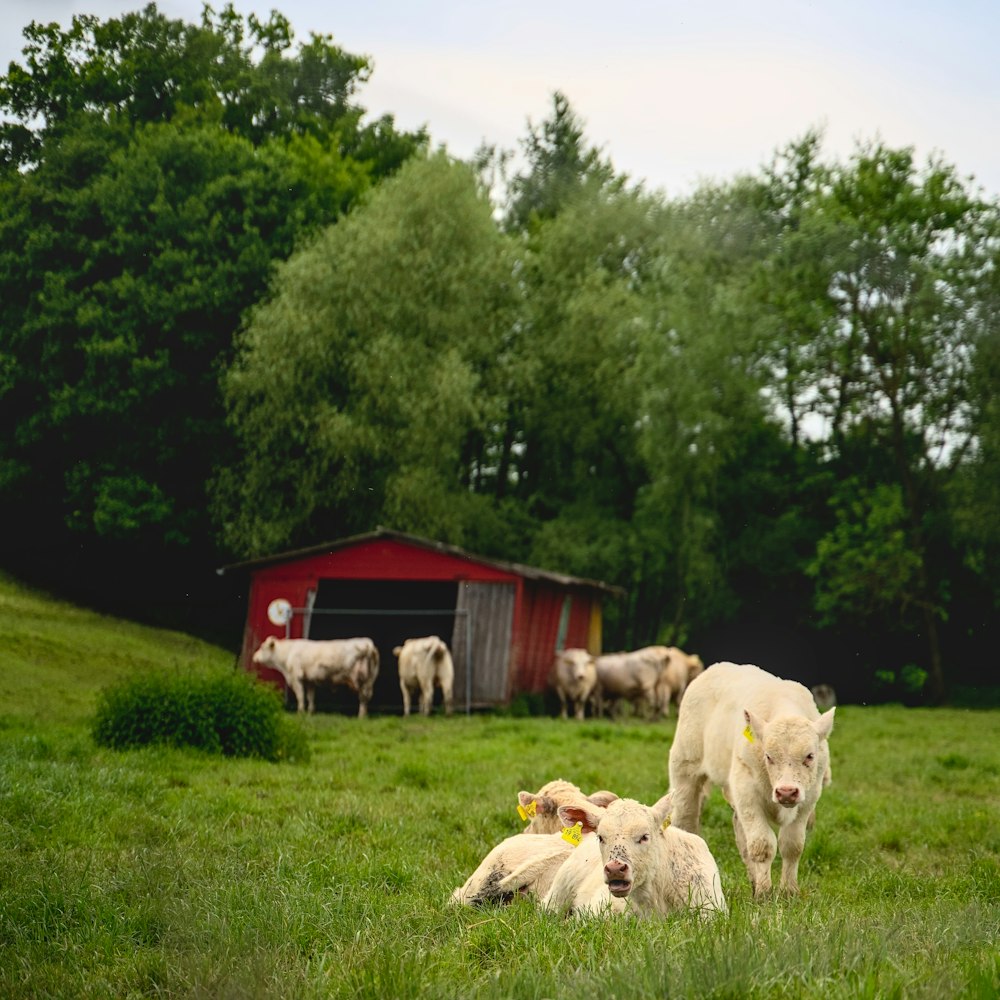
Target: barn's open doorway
[[389, 611]]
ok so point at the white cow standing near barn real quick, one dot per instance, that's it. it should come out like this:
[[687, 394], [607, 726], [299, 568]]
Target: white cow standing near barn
[[423, 663], [637, 676], [574, 676], [307, 663], [762, 740]]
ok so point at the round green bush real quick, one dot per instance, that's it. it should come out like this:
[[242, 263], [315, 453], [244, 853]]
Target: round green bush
[[229, 713]]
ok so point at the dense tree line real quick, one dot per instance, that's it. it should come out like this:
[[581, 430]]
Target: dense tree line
[[235, 318]]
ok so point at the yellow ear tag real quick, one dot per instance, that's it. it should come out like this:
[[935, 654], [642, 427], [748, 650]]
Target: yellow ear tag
[[665, 823], [748, 734], [525, 814], [573, 834]]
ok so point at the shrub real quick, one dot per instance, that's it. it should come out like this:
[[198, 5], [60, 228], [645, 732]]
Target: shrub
[[230, 713]]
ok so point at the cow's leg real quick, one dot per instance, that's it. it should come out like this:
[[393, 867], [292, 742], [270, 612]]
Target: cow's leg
[[296, 685], [363, 697], [580, 705], [426, 697], [562, 701], [685, 811], [311, 698], [406, 698], [761, 846], [448, 694], [791, 841]]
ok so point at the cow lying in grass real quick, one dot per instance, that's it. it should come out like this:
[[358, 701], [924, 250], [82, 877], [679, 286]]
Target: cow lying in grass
[[641, 864], [763, 740], [307, 663], [527, 862]]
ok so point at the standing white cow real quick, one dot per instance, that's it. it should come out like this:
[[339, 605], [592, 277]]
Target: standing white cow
[[636, 676], [763, 740], [574, 676], [307, 663], [657, 868], [423, 663]]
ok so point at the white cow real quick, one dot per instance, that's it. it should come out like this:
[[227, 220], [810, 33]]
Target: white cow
[[542, 807], [680, 670], [763, 740], [423, 663], [655, 867], [527, 862], [520, 865], [574, 676], [579, 888], [635, 676], [307, 663]]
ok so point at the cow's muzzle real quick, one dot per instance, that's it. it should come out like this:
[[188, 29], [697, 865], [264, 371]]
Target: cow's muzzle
[[616, 874], [787, 795]]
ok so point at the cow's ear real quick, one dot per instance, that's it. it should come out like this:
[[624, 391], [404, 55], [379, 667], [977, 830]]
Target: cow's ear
[[587, 818], [663, 808], [602, 798], [525, 798], [755, 726], [824, 724]]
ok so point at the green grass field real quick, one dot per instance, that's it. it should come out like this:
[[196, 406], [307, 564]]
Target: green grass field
[[172, 873]]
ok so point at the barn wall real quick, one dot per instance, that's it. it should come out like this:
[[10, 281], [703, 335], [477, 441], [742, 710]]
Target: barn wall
[[490, 608], [538, 636], [379, 559]]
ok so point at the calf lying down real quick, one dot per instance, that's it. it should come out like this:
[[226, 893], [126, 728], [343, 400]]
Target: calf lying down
[[526, 863], [640, 865]]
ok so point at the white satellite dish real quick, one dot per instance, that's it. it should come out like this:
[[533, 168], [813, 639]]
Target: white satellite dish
[[279, 611]]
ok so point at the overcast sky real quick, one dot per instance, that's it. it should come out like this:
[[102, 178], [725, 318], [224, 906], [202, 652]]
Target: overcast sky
[[672, 92]]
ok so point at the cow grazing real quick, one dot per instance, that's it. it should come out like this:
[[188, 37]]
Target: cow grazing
[[681, 669], [763, 740], [658, 869], [518, 866], [423, 663], [542, 807], [307, 663], [637, 677], [574, 676]]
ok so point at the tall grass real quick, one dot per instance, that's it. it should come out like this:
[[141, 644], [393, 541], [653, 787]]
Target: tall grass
[[169, 872]]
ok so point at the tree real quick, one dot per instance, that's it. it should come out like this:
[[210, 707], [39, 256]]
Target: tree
[[148, 191], [359, 381], [894, 256]]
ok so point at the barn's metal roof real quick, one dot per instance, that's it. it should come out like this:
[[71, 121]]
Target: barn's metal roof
[[528, 572]]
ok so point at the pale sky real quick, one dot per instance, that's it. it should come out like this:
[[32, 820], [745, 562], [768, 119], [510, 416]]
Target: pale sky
[[671, 92]]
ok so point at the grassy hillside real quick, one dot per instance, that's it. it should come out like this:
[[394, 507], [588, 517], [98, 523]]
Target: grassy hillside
[[56, 656], [173, 873]]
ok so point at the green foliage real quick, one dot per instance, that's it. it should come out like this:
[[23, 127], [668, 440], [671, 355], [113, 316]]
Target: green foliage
[[229, 713], [357, 383], [155, 172]]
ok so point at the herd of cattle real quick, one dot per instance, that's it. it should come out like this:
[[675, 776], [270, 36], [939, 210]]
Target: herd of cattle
[[307, 664], [761, 739], [650, 679]]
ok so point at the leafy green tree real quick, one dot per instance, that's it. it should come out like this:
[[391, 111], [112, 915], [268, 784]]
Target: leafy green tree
[[153, 173], [886, 318], [358, 383], [558, 165]]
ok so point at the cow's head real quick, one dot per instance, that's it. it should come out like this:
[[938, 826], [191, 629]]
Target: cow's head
[[550, 797], [266, 653], [792, 752], [629, 834]]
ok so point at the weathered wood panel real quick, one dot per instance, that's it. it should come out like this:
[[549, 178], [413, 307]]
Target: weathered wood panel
[[489, 608]]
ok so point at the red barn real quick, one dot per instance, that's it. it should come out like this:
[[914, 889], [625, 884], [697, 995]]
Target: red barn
[[502, 621]]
